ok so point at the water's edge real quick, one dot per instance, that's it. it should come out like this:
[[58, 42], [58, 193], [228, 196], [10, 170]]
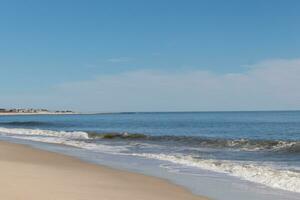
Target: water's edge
[[212, 185]]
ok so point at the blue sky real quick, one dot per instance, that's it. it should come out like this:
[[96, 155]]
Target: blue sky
[[49, 46]]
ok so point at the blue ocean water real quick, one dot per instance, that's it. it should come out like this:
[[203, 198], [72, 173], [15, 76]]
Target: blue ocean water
[[259, 147], [283, 125]]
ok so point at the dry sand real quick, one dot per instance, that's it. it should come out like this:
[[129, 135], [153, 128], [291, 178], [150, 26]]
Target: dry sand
[[31, 174]]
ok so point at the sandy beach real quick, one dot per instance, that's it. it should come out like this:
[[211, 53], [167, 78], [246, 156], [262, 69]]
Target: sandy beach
[[28, 173]]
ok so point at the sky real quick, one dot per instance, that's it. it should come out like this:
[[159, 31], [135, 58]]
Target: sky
[[158, 55]]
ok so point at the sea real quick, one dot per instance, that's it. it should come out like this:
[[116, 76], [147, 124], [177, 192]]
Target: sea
[[221, 155]]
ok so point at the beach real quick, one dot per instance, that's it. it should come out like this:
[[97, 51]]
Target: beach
[[29, 173], [212, 156]]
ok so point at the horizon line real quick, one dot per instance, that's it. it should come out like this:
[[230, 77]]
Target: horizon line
[[132, 112]]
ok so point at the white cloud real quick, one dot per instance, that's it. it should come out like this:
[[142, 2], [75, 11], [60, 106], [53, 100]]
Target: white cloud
[[269, 85], [119, 60]]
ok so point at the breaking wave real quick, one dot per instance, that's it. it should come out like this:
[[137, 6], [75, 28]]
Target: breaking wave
[[191, 141], [242, 144], [47, 133], [281, 179], [125, 135]]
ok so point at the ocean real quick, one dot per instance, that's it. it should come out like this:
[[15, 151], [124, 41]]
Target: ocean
[[257, 153]]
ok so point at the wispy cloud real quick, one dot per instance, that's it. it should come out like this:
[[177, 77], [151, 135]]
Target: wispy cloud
[[267, 85], [119, 60], [271, 84]]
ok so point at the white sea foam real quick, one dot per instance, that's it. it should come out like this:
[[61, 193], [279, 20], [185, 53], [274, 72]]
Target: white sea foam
[[48, 133], [282, 179], [74, 138], [80, 144]]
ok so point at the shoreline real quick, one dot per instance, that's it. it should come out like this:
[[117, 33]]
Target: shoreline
[[30, 173], [41, 113]]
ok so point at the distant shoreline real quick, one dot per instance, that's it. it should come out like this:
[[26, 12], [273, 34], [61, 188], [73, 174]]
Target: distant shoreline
[[38, 113], [142, 112]]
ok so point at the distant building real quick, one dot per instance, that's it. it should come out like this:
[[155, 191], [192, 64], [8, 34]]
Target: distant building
[[31, 110]]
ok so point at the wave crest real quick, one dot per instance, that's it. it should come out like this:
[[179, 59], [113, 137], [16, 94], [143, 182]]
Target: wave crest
[[48, 133], [191, 141], [125, 135], [242, 144], [282, 179]]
